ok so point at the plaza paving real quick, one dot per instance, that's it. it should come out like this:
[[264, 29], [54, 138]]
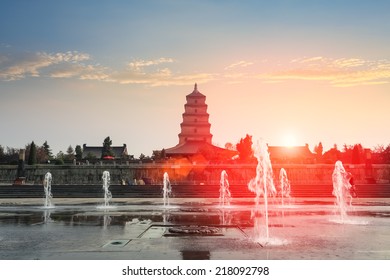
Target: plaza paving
[[141, 228]]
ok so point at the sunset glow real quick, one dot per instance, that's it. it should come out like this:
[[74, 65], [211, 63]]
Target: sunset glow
[[290, 140], [75, 72]]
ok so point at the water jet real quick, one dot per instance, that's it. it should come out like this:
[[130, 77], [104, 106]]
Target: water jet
[[167, 190], [47, 187]]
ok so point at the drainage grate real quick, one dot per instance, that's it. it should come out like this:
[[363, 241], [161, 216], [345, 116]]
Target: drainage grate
[[116, 243], [160, 231], [194, 231]]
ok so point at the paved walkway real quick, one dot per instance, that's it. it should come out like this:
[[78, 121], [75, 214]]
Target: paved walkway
[[143, 229]]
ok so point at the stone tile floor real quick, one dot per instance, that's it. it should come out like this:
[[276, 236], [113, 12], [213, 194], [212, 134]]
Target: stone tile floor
[[303, 229]]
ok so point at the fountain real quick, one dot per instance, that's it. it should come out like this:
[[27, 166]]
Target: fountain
[[284, 185], [106, 185], [308, 233], [167, 189], [224, 193], [46, 216], [106, 220], [262, 185], [47, 187], [224, 198], [341, 189]]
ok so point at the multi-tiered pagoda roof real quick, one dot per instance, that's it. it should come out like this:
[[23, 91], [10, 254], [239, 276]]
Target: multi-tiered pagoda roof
[[195, 135]]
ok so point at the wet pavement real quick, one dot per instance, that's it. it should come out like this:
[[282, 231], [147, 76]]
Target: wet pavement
[[140, 228]]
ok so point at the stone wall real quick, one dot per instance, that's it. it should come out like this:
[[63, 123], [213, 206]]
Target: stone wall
[[152, 173]]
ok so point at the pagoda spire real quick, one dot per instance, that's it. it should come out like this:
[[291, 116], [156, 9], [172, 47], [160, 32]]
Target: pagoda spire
[[195, 125], [195, 136]]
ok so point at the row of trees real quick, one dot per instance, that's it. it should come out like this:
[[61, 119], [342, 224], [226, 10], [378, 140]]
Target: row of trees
[[35, 154], [354, 154]]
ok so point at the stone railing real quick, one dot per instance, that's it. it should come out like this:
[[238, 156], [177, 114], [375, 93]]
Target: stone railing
[[152, 173]]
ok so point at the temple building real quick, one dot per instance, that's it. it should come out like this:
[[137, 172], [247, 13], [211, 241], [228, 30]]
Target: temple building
[[95, 152], [296, 154], [195, 136]]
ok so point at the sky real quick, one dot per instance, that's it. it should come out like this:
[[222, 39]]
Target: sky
[[288, 72]]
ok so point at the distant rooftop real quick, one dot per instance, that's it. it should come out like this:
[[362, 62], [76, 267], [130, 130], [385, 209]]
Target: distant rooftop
[[96, 151], [295, 154]]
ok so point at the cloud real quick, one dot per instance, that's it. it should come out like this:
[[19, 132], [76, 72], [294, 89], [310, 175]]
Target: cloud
[[80, 71], [78, 65], [138, 64], [310, 59], [161, 77], [187, 79], [35, 64], [147, 72], [241, 63], [349, 62], [28, 65], [341, 72]]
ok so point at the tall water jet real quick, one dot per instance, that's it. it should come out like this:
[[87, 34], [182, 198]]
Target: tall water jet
[[167, 189], [46, 216], [47, 187], [224, 192], [284, 185], [106, 185], [106, 220], [262, 185], [341, 189]]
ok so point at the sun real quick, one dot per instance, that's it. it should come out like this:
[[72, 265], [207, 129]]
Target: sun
[[289, 140]]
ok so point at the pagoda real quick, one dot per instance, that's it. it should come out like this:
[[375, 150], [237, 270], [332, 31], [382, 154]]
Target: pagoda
[[195, 135]]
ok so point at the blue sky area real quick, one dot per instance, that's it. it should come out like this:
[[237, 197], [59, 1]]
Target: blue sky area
[[290, 72]]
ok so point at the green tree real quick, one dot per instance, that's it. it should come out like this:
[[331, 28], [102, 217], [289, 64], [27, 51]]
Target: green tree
[[107, 150], [158, 154], [32, 157], [10, 156], [3, 157], [332, 155], [90, 157], [47, 150], [356, 153], [1, 153], [79, 153], [70, 153], [41, 155], [244, 148], [386, 154], [319, 150], [60, 157]]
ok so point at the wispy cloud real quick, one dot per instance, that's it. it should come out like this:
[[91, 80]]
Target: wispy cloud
[[241, 63], [308, 60], [79, 65], [139, 64], [35, 64], [349, 62], [161, 77], [152, 73], [341, 72]]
